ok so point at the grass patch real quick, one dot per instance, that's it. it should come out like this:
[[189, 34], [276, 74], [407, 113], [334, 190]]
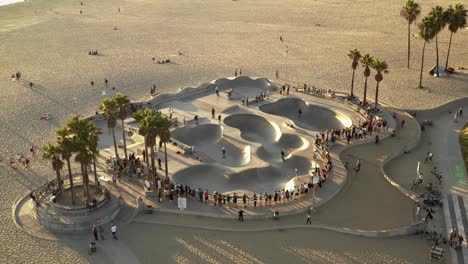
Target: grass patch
[[464, 144]]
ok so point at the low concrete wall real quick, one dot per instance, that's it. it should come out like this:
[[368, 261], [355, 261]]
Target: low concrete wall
[[63, 222], [411, 145]]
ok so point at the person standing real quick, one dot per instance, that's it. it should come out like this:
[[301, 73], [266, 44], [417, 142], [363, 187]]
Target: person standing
[[106, 82], [95, 233], [235, 73], [223, 152], [101, 231], [160, 163], [241, 215], [213, 111], [308, 219], [217, 91], [219, 119], [114, 231], [244, 200]]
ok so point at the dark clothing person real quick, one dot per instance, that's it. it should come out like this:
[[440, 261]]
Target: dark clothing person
[[95, 233], [241, 215]]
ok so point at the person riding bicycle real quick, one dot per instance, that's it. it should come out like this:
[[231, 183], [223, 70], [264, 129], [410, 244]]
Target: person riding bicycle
[[420, 178]]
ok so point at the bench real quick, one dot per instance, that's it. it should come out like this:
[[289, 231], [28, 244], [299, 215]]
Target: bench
[[437, 253]]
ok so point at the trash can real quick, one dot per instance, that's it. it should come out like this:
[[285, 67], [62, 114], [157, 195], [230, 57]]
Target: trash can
[[92, 247], [276, 215]]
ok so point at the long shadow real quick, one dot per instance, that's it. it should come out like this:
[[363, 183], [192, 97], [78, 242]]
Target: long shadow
[[39, 89]]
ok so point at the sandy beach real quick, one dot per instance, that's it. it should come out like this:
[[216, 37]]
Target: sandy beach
[[48, 42]]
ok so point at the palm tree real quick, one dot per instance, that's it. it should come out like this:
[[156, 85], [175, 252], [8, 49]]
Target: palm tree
[[93, 145], [53, 153], [83, 135], [456, 19], [122, 103], [109, 108], [366, 62], [164, 124], [354, 55], [380, 67], [438, 16], [142, 129], [410, 11], [66, 144], [427, 33]]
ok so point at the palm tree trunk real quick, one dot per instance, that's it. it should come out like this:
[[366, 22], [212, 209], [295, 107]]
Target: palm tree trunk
[[145, 157], [409, 43], [376, 95], [124, 139], [153, 166], [59, 181], [448, 51], [352, 84], [83, 178], [87, 182], [115, 142], [165, 159], [422, 65], [365, 92], [95, 174], [70, 179], [437, 57]]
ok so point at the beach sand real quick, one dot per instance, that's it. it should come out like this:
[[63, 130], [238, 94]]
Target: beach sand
[[48, 42]]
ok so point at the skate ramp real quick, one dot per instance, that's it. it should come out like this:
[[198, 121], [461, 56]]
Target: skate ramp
[[263, 179], [246, 87], [313, 117], [254, 128], [208, 141], [198, 135]]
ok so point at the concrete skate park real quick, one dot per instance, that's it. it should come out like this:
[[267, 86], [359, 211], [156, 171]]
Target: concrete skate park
[[253, 136]]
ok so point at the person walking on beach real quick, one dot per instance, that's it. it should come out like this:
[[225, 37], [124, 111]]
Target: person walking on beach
[[235, 73], [460, 112], [92, 83], [95, 233], [276, 74], [31, 84], [219, 119], [244, 200], [240, 72], [217, 91], [114, 231], [106, 82], [213, 111], [308, 220]]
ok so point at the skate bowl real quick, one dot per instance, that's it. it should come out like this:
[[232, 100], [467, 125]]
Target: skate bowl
[[314, 117], [263, 179], [208, 140], [254, 128], [199, 135], [246, 87]]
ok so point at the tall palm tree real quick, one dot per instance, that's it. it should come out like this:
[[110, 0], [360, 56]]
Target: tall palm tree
[[83, 135], [109, 109], [380, 67], [410, 11], [427, 33], [366, 62], [142, 129], [438, 16], [66, 144], [456, 19], [53, 153], [164, 124], [93, 145], [354, 55], [123, 103]]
